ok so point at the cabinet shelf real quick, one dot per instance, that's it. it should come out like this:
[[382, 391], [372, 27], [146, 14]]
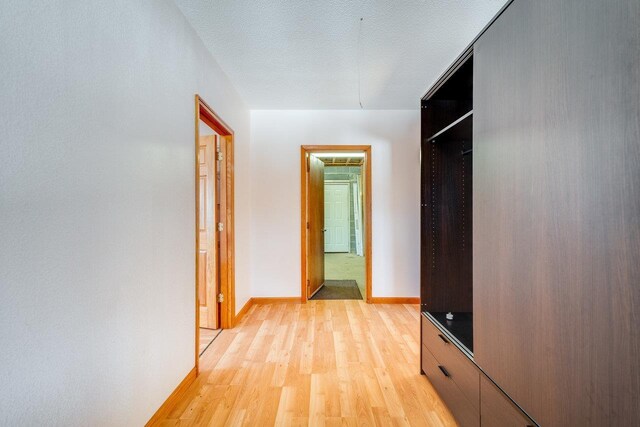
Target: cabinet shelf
[[459, 330], [450, 126]]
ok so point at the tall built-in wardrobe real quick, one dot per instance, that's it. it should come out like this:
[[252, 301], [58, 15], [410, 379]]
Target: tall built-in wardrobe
[[530, 219]]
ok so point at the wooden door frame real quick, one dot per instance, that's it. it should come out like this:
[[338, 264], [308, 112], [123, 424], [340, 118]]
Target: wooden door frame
[[226, 263], [305, 150]]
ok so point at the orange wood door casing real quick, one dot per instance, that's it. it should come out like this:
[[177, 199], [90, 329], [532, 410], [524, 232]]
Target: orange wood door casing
[[223, 177], [207, 254], [315, 216]]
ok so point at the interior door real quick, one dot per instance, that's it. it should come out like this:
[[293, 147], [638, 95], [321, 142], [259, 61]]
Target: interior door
[[357, 216], [336, 217], [207, 236], [315, 217]]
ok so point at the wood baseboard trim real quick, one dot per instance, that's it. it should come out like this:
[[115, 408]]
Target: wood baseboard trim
[[243, 311], [173, 398], [262, 300], [275, 300], [395, 300]]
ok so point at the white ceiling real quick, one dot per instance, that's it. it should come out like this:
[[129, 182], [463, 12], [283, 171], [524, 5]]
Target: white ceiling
[[304, 54]]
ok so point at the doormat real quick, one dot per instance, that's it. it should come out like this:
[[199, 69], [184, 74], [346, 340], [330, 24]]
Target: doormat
[[338, 289]]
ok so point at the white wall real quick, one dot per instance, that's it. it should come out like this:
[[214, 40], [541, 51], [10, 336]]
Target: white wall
[[97, 207], [276, 137]]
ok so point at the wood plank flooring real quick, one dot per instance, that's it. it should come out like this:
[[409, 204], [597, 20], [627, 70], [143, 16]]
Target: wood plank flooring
[[206, 336], [321, 363]]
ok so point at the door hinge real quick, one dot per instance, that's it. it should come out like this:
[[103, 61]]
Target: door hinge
[[220, 226], [220, 156], [308, 226], [220, 297]]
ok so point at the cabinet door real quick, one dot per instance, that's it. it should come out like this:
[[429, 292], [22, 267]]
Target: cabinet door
[[466, 413], [556, 209], [496, 410]]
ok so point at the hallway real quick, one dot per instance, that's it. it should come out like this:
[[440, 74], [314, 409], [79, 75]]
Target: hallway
[[321, 363]]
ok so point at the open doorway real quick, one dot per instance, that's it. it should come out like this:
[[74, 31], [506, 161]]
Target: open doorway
[[214, 227], [209, 181], [336, 222]]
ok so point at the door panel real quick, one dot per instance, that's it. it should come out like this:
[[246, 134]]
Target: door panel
[[556, 202], [202, 277], [315, 217], [336, 217], [207, 241]]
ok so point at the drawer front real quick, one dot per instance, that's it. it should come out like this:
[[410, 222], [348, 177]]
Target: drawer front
[[462, 370], [496, 410], [464, 412]]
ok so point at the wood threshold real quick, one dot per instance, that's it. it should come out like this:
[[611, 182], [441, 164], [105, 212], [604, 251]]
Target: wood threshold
[[173, 398]]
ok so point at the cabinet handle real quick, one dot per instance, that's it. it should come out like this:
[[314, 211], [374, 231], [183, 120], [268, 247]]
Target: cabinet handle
[[444, 371], [446, 341]]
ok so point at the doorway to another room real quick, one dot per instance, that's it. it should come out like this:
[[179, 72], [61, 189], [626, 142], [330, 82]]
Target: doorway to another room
[[214, 227], [208, 217], [336, 218]]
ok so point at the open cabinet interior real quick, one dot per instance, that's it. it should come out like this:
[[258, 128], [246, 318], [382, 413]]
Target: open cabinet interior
[[446, 205]]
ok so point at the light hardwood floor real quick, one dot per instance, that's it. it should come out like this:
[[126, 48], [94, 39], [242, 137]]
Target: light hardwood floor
[[320, 363], [206, 336]]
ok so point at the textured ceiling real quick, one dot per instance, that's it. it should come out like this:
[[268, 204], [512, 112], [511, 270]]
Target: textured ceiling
[[304, 54]]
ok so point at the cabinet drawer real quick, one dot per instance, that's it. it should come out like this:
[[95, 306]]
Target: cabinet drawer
[[462, 370], [464, 412], [497, 410]]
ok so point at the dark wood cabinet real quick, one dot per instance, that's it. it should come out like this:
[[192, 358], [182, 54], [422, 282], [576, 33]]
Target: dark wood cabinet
[[474, 400], [556, 255], [497, 410], [459, 368], [443, 379], [530, 214]]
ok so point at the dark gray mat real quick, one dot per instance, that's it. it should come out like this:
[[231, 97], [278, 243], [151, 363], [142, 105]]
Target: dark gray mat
[[338, 289]]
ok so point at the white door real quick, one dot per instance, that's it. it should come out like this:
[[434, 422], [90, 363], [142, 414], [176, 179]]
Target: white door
[[336, 217], [357, 215]]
